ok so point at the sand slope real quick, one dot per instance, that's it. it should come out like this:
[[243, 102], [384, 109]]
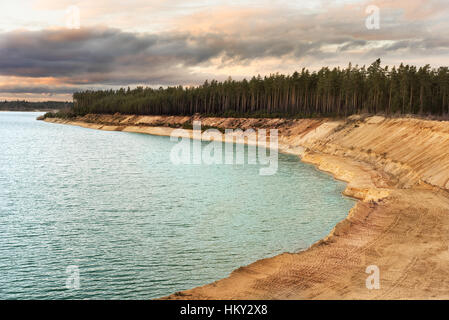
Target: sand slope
[[398, 168]]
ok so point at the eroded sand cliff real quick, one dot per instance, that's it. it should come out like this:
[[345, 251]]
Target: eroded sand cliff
[[398, 168]]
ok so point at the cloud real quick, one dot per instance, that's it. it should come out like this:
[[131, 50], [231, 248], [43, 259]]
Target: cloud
[[38, 89], [214, 42]]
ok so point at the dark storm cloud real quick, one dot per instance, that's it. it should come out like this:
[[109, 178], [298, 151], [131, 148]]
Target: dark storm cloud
[[85, 54], [113, 56]]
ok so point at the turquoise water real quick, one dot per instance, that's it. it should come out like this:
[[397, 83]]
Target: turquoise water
[[135, 225]]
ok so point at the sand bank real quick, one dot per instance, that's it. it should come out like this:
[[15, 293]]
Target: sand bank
[[399, 171]]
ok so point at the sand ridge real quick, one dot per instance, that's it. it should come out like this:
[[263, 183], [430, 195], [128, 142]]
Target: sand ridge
[[399, 171]]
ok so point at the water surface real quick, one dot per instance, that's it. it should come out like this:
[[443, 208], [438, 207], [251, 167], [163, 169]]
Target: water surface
[[136, 226]]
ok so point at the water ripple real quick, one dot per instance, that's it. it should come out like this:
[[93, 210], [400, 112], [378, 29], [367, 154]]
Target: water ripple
[[136, 226]]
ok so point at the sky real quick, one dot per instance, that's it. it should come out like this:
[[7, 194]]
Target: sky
[[52, 48]]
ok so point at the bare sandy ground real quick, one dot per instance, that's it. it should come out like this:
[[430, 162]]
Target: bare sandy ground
[[399, 171]]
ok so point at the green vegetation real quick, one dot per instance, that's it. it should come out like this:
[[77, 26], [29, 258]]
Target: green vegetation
[[66, 113], [31, 106], [327, 92]]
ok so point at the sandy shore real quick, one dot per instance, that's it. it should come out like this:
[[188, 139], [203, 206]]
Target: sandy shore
[[399, 171]]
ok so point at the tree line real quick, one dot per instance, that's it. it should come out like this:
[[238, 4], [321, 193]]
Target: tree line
[[328, 92], [23, 105]]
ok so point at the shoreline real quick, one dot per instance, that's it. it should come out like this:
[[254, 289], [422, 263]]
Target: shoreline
[[400, 222]]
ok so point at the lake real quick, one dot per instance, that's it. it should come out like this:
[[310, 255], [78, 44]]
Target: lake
[[113, 208]]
